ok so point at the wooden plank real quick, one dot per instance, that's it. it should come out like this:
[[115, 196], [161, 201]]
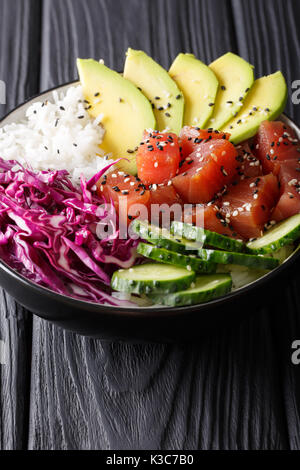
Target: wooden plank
[[268, 36], [221, 393], [19, 69]]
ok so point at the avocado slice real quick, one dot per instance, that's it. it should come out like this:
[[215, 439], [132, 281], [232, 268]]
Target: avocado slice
[[164, 95], [235, 77], [126, 111], [199, 86], [266, 100]]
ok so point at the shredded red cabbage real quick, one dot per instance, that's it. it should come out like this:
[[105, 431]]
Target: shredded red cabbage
[[48, 233]]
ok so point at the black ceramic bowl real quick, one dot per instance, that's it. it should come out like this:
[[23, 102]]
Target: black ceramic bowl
[[140, 324]]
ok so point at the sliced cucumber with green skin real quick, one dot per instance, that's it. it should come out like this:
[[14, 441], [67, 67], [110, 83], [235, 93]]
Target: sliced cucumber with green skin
[[162, 238], [206, 287], [227, 257], [206, 237], [152, 277], [281, 234], [176, 259]]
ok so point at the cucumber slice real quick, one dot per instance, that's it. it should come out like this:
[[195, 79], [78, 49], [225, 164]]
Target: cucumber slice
[[226, 257], [206, 287], [279, 235], [176, 259], [241, 275], [206, 237], [162, 238], [152, 277]]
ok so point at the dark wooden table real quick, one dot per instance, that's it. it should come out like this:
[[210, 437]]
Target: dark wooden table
[[236, 389]]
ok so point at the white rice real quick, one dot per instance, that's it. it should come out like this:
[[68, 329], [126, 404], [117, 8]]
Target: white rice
[[45, 139]]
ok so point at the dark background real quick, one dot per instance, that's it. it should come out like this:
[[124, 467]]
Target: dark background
[[236, 389]]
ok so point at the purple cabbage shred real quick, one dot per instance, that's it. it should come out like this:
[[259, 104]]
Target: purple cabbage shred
[[48, 233]]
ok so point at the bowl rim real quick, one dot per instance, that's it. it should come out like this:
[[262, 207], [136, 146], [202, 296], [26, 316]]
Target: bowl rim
[[137, 311]]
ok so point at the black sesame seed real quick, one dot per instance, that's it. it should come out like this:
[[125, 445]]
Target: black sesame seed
[[56, 122], [268, 157], [130, 217], [161, 108], [178, 97], [240, 98], [168, 114], [130, 151], [247, 89], [211, 104], [97, 94], [223, 87], [116, 188], [157, 97], [80, 117]]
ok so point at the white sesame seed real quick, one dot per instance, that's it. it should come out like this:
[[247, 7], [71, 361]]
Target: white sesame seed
[[155, 164], [189, 268]]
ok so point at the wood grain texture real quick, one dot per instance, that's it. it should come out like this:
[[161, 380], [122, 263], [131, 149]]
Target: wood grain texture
[[19, 69], [233, 390]]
